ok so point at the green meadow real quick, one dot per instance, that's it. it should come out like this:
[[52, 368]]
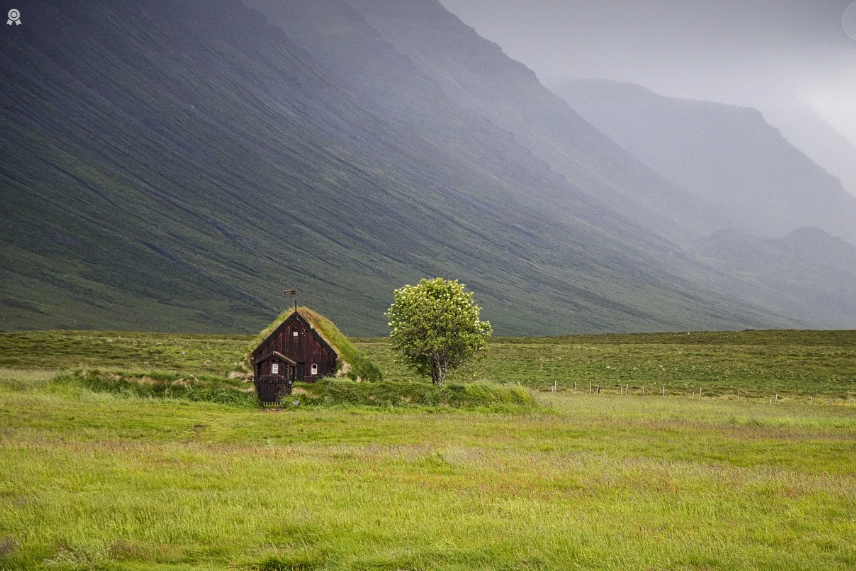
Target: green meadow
[[798, 365], [106, 479]]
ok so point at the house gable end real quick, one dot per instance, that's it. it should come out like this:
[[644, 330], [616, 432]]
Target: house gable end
[[274, 334], [290, 319]]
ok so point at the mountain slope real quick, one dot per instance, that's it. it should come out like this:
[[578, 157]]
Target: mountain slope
[[726, 155], [801, 125], [174, 165], [477, 75], [808, 263]]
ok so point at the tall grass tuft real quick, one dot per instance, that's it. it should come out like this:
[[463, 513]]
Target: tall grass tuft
[[163, 385], [331, 392]]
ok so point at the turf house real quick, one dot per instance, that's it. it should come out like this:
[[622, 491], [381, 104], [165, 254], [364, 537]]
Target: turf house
[[303, 346]]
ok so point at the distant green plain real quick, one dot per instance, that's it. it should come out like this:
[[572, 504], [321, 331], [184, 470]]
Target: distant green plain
[[795, 364], [585, 481]]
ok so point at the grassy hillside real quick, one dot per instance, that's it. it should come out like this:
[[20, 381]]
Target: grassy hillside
[[797, 365], [172, 166], [93, 480]]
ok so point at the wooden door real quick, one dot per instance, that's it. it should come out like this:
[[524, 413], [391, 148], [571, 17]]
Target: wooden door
[[271, 388]]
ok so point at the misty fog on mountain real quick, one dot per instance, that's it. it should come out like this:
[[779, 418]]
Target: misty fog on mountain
[[582, 166]]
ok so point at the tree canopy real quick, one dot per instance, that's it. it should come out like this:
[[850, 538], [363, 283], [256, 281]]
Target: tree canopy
[[435, 326]]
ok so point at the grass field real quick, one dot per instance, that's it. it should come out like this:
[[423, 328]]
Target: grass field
[[93, 480], [795, 364]]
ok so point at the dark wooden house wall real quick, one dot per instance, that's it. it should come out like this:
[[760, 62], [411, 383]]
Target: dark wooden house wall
[[305, 349], [286, 369]]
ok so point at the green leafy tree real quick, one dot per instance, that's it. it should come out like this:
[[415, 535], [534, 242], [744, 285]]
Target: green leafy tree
[[435, 326]]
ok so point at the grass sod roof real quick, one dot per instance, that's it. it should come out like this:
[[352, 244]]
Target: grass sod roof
[[359, 363]]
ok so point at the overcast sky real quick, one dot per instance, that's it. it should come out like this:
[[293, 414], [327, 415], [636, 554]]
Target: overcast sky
[[750, 52]]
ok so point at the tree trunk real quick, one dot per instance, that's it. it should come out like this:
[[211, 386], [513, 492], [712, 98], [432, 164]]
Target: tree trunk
[[438, 371]]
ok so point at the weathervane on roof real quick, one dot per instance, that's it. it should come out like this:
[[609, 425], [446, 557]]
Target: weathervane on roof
[[293, 292]]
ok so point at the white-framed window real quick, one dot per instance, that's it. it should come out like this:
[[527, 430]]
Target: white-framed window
[[274, 369], [296, 334], [314, 369]]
